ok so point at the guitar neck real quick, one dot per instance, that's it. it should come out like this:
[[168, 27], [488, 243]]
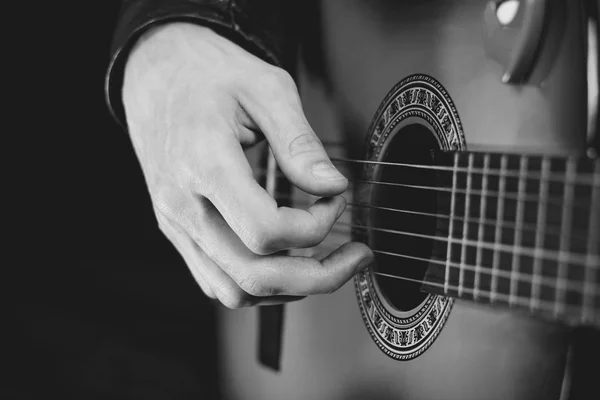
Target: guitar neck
[[522, 231]]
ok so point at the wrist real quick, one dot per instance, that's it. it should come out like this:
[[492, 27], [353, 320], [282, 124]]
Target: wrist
[[154, 64]]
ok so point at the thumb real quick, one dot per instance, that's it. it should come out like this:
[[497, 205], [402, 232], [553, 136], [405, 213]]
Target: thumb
[[276, 110]]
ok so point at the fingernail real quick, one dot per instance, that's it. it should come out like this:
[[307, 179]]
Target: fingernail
[[325, 170], [365, 262]]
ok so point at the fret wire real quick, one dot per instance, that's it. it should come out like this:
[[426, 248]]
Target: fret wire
[[576, 258], [516, 259], [564, 239], [480, 233], [544, 281], [590, 274], [500, 224], [539, 237], [495, 246], [465, 234], [545, 306], [498, 233], [449, 243]]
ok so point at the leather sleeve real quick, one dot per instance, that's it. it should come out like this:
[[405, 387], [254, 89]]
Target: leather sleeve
[[266, 28]]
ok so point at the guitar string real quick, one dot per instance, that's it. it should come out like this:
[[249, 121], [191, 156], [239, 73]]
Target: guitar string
[[568, 283], [490, 172], [552, 230], [548, 282], [558, 201], [558, 177], [511, 196], [432, 188], [555, 177], [524, 300], [548, 255], [525, 227], [575, 259], [521, 250], [528, 277]]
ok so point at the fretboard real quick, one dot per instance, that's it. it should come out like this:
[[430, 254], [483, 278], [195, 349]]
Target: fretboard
[[520, 231]]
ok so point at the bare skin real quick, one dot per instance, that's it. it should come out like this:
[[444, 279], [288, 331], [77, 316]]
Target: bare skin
[[194, 100]]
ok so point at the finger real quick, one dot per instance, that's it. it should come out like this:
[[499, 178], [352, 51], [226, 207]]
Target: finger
[[302, 276], [211, 278], [274, 106], [278, 275], [253, 214], [180, 241], [204, 270]]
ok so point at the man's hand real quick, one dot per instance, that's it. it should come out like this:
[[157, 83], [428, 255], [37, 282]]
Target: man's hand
[[193, 101]]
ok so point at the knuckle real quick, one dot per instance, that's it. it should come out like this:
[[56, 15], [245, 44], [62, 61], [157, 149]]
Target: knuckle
[[262, 240], [254, 285], [165, 201], [207, 291], [183, 177], [313, 232], [172, 205], [277, 79], [195, 266], [211, 178], [232, 298], [195, 181], [198, 173], [283, 78]]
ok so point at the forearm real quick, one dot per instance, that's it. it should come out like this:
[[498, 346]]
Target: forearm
[[260, 26]]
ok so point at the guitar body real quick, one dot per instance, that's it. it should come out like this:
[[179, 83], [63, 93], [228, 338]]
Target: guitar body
[[479, 351]]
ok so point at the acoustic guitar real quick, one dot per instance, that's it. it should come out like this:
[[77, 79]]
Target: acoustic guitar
[[465, 152]]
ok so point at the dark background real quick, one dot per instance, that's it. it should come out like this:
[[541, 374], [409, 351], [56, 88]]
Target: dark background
[[105, 308]]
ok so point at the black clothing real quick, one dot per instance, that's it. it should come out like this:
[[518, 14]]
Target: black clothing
[[266, 28]]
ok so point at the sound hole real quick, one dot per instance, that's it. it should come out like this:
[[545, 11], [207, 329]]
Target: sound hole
[[413, 144]]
